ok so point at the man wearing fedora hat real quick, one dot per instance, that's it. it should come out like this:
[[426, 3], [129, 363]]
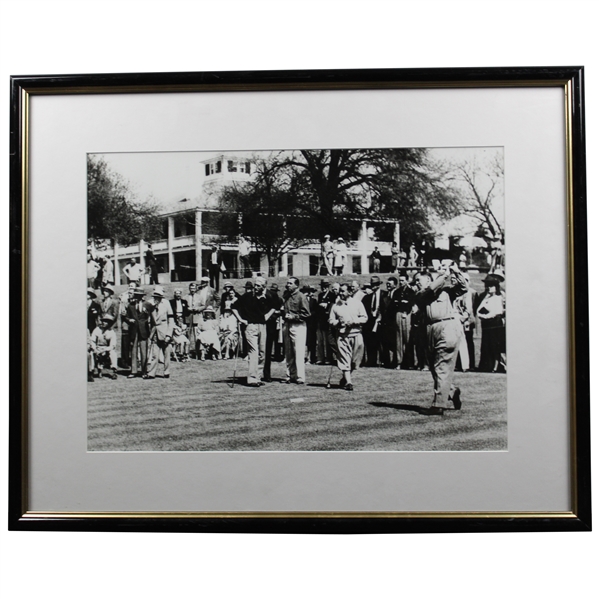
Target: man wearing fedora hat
[[372, 329], [325, 300], [94, 310], [161, 321], [138, 318]]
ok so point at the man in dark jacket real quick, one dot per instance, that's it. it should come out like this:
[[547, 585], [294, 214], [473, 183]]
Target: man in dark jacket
[[138, 317], [372, 329], [179, 306], [326, 299]]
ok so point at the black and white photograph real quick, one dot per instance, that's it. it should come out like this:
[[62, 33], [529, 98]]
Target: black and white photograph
[[297, 300]]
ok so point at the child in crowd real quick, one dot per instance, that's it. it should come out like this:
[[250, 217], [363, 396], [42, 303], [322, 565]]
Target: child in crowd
[[180, 340], [208, 341], [228, 334]]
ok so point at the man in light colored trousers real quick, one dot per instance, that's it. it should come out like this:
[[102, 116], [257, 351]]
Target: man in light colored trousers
[[295, 313]]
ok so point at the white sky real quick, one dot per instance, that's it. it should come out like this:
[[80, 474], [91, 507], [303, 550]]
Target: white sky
[[171, 176]]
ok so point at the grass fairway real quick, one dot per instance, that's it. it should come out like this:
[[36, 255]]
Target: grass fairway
[[197, 410]]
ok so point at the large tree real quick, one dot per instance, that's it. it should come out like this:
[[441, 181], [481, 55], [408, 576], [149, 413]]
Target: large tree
[[480, 183], [113, 212], [268, 213], [334, 189]]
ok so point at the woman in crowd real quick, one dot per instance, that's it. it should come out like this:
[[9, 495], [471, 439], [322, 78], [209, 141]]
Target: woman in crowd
[[490, 309]]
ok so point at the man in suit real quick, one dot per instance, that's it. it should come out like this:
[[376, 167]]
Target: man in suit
[[151, 265], [161, 320], [273, 329], [389, 309], [326, 299], [404, 296], [94, 310], [179, 307], [372, 329], [110, 305], [138, 317], [207, 296]]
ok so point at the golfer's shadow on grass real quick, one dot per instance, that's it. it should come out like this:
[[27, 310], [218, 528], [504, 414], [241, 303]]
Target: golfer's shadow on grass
[[396, 406]]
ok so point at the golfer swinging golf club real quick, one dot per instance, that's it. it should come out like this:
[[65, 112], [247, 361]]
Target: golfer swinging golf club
[[347, 317]]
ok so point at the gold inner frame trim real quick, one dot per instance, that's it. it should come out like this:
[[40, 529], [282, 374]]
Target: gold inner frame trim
[[298, 515]]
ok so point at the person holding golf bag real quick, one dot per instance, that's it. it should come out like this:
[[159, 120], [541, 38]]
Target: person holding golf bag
[[347, 318]]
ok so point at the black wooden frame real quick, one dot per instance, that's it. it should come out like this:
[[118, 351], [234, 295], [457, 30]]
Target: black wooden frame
[[570, 78]]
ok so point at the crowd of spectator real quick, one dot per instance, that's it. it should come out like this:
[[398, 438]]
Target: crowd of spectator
[[203, 324]]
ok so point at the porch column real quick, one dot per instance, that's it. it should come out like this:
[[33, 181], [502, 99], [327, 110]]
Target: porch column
[[117, 265], [198, 245], [396, 237], [363, 245], [169, 244], [142, 262], [284, 266]]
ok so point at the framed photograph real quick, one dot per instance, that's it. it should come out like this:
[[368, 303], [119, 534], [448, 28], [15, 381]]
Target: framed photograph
[[285, 301]]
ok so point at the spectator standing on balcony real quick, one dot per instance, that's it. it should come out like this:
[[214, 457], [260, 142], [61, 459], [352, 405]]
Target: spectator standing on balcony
[[133, 271], [375, 258], [214, 267], [243, 252], [327, 254], [108, 272], [413, 257], [339, 257], [151, 265], [394, 257], [92, 272]]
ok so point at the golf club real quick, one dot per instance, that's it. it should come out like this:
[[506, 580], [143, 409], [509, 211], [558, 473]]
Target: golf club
[[330, 375], [236, 356]]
